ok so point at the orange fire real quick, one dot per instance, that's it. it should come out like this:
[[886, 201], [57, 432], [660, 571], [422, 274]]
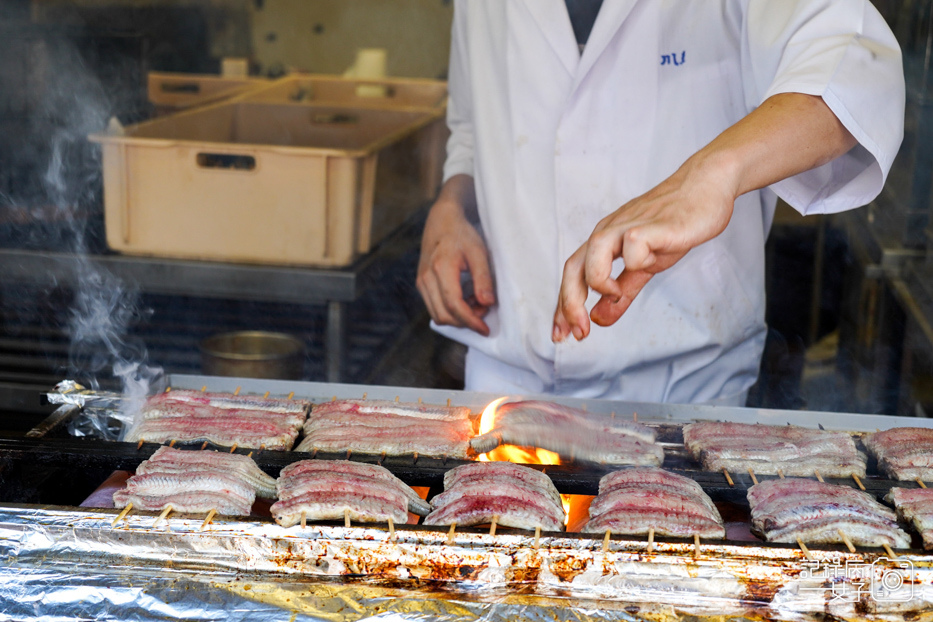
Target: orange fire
[[512, 453]]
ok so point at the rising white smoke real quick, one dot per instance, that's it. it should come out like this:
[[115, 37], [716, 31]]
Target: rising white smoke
[[104, 309]]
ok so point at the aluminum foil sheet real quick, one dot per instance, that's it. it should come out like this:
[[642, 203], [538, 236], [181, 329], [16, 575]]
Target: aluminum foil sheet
[[60, 563], [100, 414]]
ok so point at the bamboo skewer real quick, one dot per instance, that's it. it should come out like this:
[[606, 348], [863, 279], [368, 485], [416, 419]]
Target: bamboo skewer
[[204, 388], [304, 519], [450, 534], [846, 540], [858, 481], [419, 400], [448, 402], [396, 399], [266, 395], [334, 398], [819, 477], [650, 539], [606, 540], [780, 473], [806, 551], [237, 391], [391, 529], [728, 477], [346, 517], [752, 473], [635, 417], [207, 521], [161, 516], [414, 458], [122, 514], [696, 545], [920, 483], [233, 449], [492, 525], [139, 445], [249, 455], [203, 445], [889, 551], [537, 536], [172, 444], [291, 395]]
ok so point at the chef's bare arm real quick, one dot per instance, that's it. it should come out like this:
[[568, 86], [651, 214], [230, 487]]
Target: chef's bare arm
[[451, 245], [788, 134]]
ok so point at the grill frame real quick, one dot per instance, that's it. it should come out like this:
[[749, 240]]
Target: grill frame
[[571, 478], [761, 569]]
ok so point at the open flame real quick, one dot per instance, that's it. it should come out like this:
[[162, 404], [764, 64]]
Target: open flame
[[518, 455]]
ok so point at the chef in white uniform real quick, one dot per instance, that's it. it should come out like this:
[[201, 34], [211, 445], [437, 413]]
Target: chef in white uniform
[[661, 144]]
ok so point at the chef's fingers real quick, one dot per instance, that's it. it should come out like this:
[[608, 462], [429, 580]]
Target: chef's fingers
[[603, 246], [571, 316], [438, 282], [455, 307], [639, 245], [477, 259], [609, 309], [431, 294]]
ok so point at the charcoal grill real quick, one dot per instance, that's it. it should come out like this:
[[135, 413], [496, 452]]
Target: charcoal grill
[[45, 474]]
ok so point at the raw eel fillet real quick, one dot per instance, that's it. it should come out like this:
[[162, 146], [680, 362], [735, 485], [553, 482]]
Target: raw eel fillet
[[192, 491], [335, 505], [222, 431], [202, 411], [229, 400], [184, 502], [384, 407], [632, 501], [169, 460], [784, 510], [493, 472], [392, 428], [915, 505], [767, 448], [571, 433], [903, 453], [516, 496], [222, 419], [329, 490], [294, 477]]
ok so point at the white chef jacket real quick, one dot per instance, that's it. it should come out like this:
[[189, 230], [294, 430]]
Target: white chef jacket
[[556, 140]]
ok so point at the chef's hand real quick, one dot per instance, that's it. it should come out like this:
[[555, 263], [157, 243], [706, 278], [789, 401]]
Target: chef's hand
[[650, 233], [788, 134], [451, 245]]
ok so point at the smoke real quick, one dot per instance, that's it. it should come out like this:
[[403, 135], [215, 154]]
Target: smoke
[[104, 308]]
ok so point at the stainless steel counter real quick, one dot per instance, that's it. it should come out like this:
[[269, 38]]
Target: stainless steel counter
[[335, 288]]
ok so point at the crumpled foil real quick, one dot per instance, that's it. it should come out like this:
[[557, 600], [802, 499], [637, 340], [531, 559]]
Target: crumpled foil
[[65, 564], [103, 414]]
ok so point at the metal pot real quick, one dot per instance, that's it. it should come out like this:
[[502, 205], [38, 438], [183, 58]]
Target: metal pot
[[253, 354]]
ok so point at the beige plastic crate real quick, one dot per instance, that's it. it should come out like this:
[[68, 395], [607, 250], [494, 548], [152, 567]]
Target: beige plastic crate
[[171, 92], [387, 93], [268, 183]]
